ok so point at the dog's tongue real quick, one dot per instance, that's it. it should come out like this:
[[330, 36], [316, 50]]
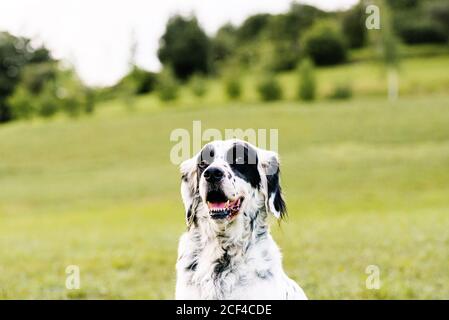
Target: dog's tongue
[[217, 205]]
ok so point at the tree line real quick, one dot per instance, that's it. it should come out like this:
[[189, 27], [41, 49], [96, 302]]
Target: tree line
[[32, 83], [272, 43]]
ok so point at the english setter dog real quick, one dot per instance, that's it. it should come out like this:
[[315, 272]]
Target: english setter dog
[[228, 190]]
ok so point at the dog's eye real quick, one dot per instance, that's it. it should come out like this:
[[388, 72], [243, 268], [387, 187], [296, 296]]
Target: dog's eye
[[203, 164]]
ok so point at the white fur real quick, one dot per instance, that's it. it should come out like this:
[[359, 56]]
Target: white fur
[[231, 260]]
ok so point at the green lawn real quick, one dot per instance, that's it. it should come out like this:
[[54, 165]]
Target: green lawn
[[366, 182]]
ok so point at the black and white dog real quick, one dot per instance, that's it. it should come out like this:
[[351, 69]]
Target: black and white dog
[[228, 189]]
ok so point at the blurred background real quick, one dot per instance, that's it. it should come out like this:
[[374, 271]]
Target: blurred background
[[89, 94]]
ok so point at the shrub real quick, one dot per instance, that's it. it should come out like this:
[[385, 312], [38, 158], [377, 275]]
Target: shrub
[[438, 11], [341, 91], [325, 44], [90, 100], [35, 75], [233, 88], [269, 88], [425, 31], [72, 94], [21, 103], [307, 86], [138, 81], [63, 92], [167, 86], [46, 102], [198, 85]]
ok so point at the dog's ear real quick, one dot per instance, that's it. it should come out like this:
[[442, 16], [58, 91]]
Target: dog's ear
[[189, 187], [274, 200]]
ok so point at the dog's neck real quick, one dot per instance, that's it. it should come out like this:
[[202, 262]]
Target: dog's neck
[[234, 238], [219, 253]]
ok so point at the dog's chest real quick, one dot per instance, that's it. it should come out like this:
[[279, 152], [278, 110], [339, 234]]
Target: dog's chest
[[213, 272]]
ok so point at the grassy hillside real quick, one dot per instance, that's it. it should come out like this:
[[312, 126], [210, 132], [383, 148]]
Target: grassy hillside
[[419, 76], [366, 182]]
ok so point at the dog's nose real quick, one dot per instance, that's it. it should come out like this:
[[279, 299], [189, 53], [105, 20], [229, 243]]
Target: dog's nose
[[213, 174]]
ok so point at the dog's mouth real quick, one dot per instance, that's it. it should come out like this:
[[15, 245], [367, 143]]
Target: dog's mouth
[[220, 207]]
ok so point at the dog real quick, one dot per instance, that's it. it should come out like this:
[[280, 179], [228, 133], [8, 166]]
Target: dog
[[229, 188]]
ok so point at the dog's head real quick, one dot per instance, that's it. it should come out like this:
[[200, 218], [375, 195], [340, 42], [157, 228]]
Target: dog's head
[[230, 179]]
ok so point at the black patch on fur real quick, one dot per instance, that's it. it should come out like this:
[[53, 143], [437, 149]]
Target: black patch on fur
[[251, 223], [189, 213], [206, 158], [243, 161], [222, 263], [191, 217], [192, 266], [274, 189]]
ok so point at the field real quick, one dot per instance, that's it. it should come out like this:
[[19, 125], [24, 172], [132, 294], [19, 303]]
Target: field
[[366, 182]]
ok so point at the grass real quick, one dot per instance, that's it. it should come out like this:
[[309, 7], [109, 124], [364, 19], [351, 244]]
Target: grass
[[366, 183]]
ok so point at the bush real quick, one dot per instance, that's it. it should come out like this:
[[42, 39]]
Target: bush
[[282, 56], [269, 89], [341, 91], [138, 81], [72, 94], [424, 31], [167, 86], [21, 103], [438, 11], [47, 102], [16, 53], [325, 44], [90, 100], [233, 88], [198, 85], [63, 92], [34, 76], [307, 87]]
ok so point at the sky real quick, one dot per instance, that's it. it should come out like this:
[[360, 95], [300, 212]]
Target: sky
[[96, 35]]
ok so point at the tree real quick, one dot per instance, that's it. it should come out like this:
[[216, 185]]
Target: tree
[[185, 47], [253, 26], [15, 54], [46, 89], [438, 11], [224, 43], [402, 4], [325, 44], [354, 26]]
